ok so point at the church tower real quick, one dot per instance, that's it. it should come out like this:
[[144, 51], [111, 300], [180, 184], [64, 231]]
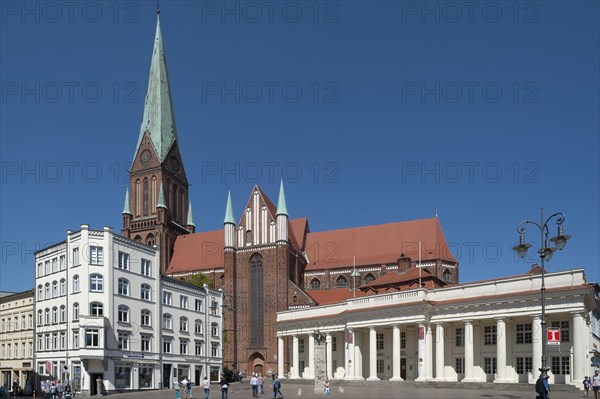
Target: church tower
[[157, 207]]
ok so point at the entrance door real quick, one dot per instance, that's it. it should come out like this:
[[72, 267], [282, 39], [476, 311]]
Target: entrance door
[[97, 384], [403, 368], [166, 376], [198, 375]]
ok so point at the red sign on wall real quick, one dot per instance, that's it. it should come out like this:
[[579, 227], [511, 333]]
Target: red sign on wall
[[553, 336]]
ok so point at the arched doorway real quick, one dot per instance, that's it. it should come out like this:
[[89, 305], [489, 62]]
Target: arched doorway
[[256, 363]]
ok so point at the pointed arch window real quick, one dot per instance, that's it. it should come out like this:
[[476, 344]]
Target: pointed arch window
[[256, 300], [138, 196], [341, 282], [153, 195], [146, 197], [447, 276], [315, 284], [368, 278], [174, 202]]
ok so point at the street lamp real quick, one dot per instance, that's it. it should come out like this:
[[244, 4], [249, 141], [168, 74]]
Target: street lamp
[[546, 252]]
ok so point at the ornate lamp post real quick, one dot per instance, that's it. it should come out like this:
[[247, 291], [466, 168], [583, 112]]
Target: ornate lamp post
[[546, 252]]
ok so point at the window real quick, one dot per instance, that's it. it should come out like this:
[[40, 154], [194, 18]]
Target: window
[[63, 287], [40, 342], [75, 311], [146, 265], [256, 302], [183, 324], [199, 307], [167, 322], [563, 325], [341, 282], [368, 278], [76, 284], [524, 365], [199, 348], [561, 365], [47, 316], [40, 269], [524, 334], [380, 366], [96, 283], [214, 308], [54, 265], [198, 326], [61, 263], [300, 346], [334, 344], [315, 284], [76, 257], [146, 340], [47, 291], [183, 346], [75, 339], [214, 329], [47, 267], [145, 290], [96, 309], [92, 338], [123, 260], [460, 365], [123, 287], [123, 340], [167, 345], [183, 302], [63, 314], [40, 293], [460, 336], [489, 365], [489, 335], [402, 340], [214, 352], [62, 341], [447, 276], [54, 315], [54, 341], [145, 319], [146, 204], [96, 256], [380, 344], [167, 298], [123, 314], [30, 319], [54, 289]]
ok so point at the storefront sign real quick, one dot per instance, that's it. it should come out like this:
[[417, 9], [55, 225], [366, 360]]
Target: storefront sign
[[133, 355]]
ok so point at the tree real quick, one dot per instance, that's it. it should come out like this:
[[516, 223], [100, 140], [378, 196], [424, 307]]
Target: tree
[[200, 279]]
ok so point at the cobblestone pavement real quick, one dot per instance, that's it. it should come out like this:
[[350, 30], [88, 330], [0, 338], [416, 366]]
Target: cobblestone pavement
[[291, 391]]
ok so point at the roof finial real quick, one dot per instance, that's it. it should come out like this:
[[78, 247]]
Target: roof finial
[[157, 8], [436, 213]]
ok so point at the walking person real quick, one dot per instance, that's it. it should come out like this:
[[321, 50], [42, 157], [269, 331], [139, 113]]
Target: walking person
[[261, 384], [277, 388], [541, 386], [206, 387], [254, 383], [596, 384], [327, 388], [224, 387], [177, 387], [586, 386]]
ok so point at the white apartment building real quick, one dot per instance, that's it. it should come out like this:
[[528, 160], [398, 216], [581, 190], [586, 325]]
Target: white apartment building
[[99, 313], [16, 340]]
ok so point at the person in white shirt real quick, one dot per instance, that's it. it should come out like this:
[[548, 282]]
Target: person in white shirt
[[596, 384], [254, 383]]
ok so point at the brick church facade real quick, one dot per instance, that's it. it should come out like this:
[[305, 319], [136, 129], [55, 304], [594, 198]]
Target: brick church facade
[[264, 261]]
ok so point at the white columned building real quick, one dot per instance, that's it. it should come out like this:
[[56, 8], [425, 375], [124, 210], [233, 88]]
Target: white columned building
[[483, 331]]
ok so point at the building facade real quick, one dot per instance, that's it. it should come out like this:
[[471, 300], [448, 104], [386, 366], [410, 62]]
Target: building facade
[[16, 340], [100, 314], [475, 332]]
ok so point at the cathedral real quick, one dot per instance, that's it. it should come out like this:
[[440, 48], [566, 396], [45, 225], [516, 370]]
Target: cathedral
[[264, 261]]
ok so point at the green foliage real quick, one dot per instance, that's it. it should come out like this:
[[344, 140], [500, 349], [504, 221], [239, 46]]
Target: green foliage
[[200, 279]]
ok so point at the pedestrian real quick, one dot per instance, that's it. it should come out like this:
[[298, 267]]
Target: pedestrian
[[596, 384], [261, 384], [586, 386], [177, 386], [541, 386], [206, 386], [224, 387], [4, 391], [254, 383], [15, 387], [277, 388], [327, 388]]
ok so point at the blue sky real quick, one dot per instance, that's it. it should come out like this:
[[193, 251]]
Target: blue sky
[[372, 112]]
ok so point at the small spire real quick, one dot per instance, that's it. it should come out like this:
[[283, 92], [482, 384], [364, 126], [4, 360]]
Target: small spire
[[281, 204], [161, 198], [127, 206], [229, 210], [190, 218], [436, 213], [157, 8]]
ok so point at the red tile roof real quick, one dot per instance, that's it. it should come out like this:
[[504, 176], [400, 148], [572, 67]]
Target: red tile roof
[[335, 295], [379, 244], [198, 251]]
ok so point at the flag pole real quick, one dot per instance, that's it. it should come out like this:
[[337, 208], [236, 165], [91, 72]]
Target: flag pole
[[419, 264]]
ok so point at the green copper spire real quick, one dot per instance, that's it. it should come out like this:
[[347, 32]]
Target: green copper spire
[[229, 210], [161, 198], [126, 206], [190, 219], [281, 205], [159, 118]]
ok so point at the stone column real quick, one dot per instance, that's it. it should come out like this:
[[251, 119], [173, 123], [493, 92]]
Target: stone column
[[328, 343], [396, 351], [429, 353], [358, 356], [421, 353], [349, 354], [579, 340], [372, 354], [439, 352], [501, 333], [295, 359], [468, 352], [536, 340], [311, 357], [280, 357]]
